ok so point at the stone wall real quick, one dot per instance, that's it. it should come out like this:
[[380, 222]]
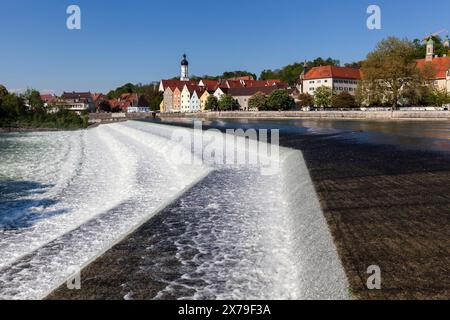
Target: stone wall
[[381, 115], [117, 117]]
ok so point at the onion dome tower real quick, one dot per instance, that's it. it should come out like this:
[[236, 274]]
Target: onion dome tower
[[184, 69]]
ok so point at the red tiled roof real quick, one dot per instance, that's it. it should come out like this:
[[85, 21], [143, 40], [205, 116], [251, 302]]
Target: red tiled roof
[[245, 78], [48, 98], [440, 66], [210, 84], [233, 84], [250, 91], [97, 96], [192, 88], [76, 95], [333, 72], [176, 83]]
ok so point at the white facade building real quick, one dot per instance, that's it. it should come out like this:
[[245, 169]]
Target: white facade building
[[339, 79], [194, 104]]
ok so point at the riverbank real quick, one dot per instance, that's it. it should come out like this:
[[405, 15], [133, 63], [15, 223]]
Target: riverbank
[[24, 130], [385, 205], [351, 115]]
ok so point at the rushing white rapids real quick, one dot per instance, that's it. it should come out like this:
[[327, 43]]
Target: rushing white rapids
[[78, 193]]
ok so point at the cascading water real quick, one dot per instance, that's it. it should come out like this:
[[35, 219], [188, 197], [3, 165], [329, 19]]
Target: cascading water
[[236, 233]]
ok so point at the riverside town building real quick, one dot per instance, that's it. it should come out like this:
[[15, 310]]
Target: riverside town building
[[184, 95]]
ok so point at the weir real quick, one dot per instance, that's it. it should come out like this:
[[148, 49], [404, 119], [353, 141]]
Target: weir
[[238, 233]]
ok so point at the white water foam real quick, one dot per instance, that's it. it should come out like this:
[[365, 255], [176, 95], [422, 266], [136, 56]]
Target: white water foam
[[268, 235]]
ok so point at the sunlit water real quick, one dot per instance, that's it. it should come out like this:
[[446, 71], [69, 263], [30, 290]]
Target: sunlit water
[[422, 135], [67, 197]]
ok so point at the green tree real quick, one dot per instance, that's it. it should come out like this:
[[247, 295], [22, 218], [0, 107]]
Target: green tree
[[323, 97], [356, 65], [3, 91], [127, 88], [280, 100], [270, 75], [291, 73], [305, 100], [150, 96], [228, 103], [437, 97], [344, 100], [237, 74], [391, 70], [318, 62], [288, 74], [12, 107], [33, 98], [421, 47], [212, 103], [104, 106], [258, 101]]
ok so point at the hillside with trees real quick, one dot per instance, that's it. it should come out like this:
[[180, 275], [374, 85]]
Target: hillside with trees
[[290, 73]]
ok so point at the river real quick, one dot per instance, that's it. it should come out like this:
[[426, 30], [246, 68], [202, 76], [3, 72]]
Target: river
[[217, 231]]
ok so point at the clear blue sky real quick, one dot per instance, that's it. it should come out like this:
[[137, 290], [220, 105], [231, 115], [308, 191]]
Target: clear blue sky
[[143, 40]]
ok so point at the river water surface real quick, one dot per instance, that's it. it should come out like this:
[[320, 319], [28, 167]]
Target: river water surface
[[66, 197]]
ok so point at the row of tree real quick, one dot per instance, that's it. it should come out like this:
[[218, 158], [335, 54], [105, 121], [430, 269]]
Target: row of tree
[[291, 73], [28, 111], [225, 103], [325, 97], [392, 77], [275, 101]]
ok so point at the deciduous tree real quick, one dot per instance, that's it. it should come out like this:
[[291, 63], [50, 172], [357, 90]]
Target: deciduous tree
[[258, 101], [280, 100], [323, 97], [344, 100], [391, 71], [305, 100], [212, 103], [228, 103]]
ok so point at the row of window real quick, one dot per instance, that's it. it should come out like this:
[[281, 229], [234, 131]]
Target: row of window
[[334, 81], [337, 88], [318, 81], [345, 89], [346, 81]]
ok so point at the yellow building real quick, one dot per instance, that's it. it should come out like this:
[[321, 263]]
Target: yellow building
[[203, 99]]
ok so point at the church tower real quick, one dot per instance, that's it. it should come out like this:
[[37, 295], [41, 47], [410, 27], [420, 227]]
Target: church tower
[[184, 69], [447, 42], [430, 50]]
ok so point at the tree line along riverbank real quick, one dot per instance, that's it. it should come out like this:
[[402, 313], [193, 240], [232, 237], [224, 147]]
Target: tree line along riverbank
[[26, 112]]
